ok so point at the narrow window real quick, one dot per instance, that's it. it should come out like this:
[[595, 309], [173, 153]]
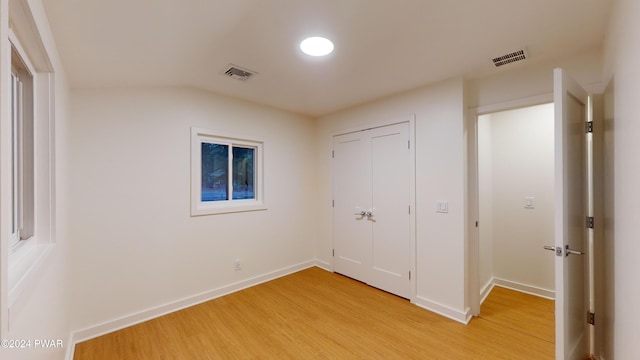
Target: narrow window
[[22, 151]]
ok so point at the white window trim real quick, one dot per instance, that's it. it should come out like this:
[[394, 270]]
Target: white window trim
[[26, 256], [198, 207]]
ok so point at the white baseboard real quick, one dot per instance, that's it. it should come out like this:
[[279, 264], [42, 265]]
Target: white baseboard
[[323, 265], [71, 347], [486, 290], [444, 310], [157, 311], [527, 289]]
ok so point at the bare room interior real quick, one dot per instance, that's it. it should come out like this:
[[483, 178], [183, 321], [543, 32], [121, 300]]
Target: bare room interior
[[186, 179]]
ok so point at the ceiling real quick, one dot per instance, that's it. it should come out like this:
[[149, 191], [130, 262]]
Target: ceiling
[[382, 47]]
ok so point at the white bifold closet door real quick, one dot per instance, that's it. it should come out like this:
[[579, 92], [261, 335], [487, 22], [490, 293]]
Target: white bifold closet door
[[371, 214]]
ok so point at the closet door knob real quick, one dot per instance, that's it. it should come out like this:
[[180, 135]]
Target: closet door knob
[[568, 251]]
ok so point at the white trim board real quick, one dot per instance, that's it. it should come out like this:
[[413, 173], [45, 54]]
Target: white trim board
[[157, 311], [444, 310], [71, 347], [486, 290], [513, 104], [523, 288], [327, 266]]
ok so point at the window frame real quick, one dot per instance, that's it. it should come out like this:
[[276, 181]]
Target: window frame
[[199, 207], [26, 253], [23, 149]]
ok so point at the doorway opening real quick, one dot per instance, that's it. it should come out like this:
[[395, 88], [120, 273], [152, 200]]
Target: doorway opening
[[516, 198], [575, 212], [515, 152]]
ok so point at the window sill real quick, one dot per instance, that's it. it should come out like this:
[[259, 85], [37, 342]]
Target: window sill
[[28, 260], [214, 209]]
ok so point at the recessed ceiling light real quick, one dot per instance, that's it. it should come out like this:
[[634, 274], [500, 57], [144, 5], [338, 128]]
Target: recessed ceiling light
[[316, 46]]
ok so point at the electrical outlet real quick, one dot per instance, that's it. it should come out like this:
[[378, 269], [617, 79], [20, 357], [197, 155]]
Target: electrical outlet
[[237, 266]]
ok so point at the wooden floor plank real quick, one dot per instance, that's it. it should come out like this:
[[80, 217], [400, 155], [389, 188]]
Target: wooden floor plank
[[314, 314], [511, 309]]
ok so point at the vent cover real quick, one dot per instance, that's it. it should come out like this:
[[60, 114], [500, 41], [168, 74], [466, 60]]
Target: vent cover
[[236, 72], [515, 56]]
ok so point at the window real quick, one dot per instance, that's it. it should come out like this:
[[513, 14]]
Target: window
[[29, 198], [22, 151], [226, 174]]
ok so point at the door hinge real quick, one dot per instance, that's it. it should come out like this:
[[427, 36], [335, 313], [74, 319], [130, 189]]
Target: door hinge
[[590, 222], [333, 154], [408, 144], [589, 126], [333, 203], [477, 223], [409, 209], [591, 318], [409, 274], [333, 252]]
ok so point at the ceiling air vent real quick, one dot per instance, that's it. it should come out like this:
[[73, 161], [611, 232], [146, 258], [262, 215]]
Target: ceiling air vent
[[236, 72], [510, 58]]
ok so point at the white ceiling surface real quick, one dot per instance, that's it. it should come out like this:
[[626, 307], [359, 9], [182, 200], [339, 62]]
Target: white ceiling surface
[[381, 46]]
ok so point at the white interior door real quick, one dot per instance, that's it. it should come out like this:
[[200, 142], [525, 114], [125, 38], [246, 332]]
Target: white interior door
[[571, 113], [390, 244], [352, 198], [372, 227]]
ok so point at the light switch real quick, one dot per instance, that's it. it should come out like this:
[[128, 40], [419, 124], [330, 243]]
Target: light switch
[[529, 202], [442, 206]]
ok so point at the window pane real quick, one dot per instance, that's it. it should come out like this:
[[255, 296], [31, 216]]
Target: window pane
[[23, 177], [215, 176], [243, 175], [15, 120]]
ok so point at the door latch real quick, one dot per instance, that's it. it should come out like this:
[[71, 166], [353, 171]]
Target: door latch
[[557, 250], [568, 251]]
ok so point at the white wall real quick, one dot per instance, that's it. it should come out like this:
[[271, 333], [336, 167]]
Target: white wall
[[621, 213], [535, 79], [439, 114], [42, 310], [135, 247], [520, 165]]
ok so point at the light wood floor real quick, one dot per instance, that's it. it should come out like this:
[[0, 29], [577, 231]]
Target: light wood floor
[[315, 314]]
